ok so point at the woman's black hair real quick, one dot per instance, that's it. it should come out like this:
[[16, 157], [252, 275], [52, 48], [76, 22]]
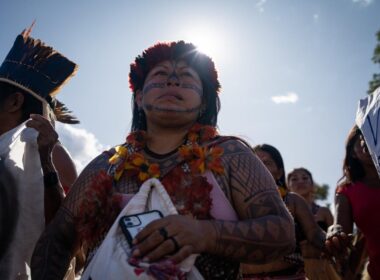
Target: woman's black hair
[[177, 51], [277, 158], [353, 170]]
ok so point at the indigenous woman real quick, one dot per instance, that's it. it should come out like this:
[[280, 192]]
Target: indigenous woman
[[357, 201], [229, 208], [300, 181], [291, 266]]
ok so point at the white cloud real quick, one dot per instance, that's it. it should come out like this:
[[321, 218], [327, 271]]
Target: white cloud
[[316, 17], [290, 97], [364, 3], [82, 145], [260, 5]]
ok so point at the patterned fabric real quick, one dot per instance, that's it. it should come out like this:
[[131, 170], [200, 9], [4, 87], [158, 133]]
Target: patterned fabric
[[211, 267], [296, 257]]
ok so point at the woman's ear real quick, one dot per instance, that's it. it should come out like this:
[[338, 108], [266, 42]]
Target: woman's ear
[[14, 102]]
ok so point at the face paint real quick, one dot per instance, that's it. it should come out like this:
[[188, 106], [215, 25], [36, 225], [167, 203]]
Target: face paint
[[198, 90], [172, 76], [150, 107], [153, 86]]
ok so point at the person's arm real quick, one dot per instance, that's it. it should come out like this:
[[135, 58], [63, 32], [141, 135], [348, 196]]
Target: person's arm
[[46, 140], [264, 232], [339, 234], [65, 166], [314, 234], [328, 217], [59, 243], [343, 214]]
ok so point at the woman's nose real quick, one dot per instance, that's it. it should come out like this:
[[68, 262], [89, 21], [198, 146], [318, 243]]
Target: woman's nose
[[173, 80]]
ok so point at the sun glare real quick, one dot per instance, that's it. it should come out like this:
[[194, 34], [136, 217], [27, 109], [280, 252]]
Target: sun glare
[[207, 42]]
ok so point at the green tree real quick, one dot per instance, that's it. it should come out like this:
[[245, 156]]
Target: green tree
[[375, 82], [321, 191]]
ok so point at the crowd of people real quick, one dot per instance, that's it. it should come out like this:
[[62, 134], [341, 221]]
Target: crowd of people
[[238, 214]]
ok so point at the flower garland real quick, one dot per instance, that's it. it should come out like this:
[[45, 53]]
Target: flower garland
[[188, 189], [129, 158]]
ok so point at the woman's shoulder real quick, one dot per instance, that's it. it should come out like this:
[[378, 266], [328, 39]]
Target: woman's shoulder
[[296, 201], [344, 187], [100, 162], [231, 144], [295, 197]]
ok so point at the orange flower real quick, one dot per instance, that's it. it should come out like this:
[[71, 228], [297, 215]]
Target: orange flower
[[213, 161], [199, 164], [202, 158], [186, 152], [139, 165]]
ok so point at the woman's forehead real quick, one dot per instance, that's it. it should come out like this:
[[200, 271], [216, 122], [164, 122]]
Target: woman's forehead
[[173, 64], [264, 154], [300, 173]]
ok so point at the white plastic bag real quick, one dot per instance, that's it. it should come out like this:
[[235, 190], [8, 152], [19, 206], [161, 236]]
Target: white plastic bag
[[111, 259]]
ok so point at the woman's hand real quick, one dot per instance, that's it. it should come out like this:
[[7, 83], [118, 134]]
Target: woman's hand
[[338, 243], [175, 237], [47, 136]]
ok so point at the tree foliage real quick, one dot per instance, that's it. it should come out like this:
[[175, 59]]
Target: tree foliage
[[321, 191], [375, 82]]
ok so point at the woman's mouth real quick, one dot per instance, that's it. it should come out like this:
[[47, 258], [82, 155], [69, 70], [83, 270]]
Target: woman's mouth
[[171, 96]]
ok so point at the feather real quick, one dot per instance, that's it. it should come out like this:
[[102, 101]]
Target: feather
[[63, 114]]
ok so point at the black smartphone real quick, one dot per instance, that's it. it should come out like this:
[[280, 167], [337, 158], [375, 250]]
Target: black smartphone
[[131, 225]]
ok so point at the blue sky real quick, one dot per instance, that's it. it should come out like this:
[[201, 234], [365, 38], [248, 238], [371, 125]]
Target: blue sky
[[292, 71]]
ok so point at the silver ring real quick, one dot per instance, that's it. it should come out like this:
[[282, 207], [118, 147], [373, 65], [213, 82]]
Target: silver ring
[[176, 245], [163, 232]]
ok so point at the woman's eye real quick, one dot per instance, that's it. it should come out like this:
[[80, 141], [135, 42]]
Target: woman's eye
[[187, 74], [160, 73]]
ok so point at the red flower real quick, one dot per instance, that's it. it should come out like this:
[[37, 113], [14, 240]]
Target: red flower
[[98, 209], [199, 201], [137, 139], [201, 133], [190, 194]]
